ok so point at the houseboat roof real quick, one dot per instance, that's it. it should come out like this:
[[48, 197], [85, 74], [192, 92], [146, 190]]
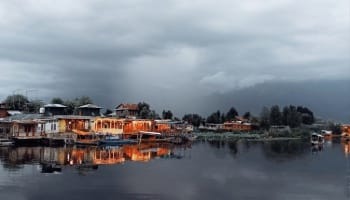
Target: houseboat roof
[[163, 121], [14, 112], [51, 105], [2, 105], [73, 117], [24, 117], [127, 106], [90, 106], [28, 121], [149, 133]]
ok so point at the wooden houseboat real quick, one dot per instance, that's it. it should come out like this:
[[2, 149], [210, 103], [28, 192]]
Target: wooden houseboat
[[28, 132]]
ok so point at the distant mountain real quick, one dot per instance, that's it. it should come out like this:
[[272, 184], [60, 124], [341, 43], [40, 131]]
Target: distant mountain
[[327, 99]]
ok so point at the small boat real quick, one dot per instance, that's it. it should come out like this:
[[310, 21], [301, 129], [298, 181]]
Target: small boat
[[345, 137], [5, 142], [317, 139], [115, 140]]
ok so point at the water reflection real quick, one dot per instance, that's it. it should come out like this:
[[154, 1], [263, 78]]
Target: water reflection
[[85, 158], [346, 147], [208, 170]]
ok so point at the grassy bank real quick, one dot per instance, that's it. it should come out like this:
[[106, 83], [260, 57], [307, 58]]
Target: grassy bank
[[254, 136]]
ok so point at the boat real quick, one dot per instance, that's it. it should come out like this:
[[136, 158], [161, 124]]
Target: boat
[[317, 139], [5, 142], [115, 140], [151, 136], [345, 137]]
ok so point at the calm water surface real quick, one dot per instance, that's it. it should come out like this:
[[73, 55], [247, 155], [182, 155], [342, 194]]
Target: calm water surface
[[203, 170]]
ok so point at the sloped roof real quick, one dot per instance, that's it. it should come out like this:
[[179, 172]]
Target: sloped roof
[[2, 105], [14, 112], [127, 106], [73, 117], [24, 117], [51, 105], [90, 106]]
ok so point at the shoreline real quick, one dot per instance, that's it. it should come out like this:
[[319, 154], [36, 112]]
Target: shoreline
[[243, 137]]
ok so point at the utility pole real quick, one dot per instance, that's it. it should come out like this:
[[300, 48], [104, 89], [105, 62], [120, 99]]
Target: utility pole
[[14, 93], [26, 92]]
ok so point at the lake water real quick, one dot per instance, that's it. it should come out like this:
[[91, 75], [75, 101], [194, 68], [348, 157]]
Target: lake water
[[203, 170]]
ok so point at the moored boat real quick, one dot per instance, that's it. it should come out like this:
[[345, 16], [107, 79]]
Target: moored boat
[[5, 142], [317, 139], [115, 140]]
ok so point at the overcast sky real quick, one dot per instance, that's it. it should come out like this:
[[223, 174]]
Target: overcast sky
[[166, 51]]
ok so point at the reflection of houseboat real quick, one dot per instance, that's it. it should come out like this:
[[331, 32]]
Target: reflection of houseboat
[[345, 132], [346, 147], [108, 156], [317, 139]]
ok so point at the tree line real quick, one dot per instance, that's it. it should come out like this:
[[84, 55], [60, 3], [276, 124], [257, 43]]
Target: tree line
[[291, 115]]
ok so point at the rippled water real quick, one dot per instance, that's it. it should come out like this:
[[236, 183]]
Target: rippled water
[[203, 170]]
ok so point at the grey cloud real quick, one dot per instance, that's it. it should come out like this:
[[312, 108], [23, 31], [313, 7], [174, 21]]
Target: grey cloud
[[137, 50]]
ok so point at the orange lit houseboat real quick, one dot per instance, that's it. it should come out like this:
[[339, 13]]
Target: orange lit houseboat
[[237, 126], [327, 135], [79, 126]]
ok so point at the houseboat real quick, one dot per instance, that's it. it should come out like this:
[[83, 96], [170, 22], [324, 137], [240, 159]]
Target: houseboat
[[115, 141], [328, 135], [27, 132], [317, 139]]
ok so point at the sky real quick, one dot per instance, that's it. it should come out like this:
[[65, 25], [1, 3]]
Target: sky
[[172, 54]]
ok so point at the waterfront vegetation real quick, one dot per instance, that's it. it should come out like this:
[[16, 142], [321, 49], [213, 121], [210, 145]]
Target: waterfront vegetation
[[257, 135]]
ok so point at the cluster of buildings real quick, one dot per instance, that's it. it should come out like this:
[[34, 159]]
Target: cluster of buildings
[[52, 123], [239, 124]]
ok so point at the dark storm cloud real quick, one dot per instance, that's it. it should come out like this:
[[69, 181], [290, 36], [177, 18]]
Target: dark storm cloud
[[137, 50]]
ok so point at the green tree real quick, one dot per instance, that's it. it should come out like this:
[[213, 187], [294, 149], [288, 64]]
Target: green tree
[[275, 115], [247, 115], [294, 117], [144, 110], [152, 115], [231, 114], [286, 115], [167, 114], [307, 116], [193, 119], [265, 118], [71, 105], [83, 100], [57, 100], [34, 106], [16, 102], [215, 118]]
